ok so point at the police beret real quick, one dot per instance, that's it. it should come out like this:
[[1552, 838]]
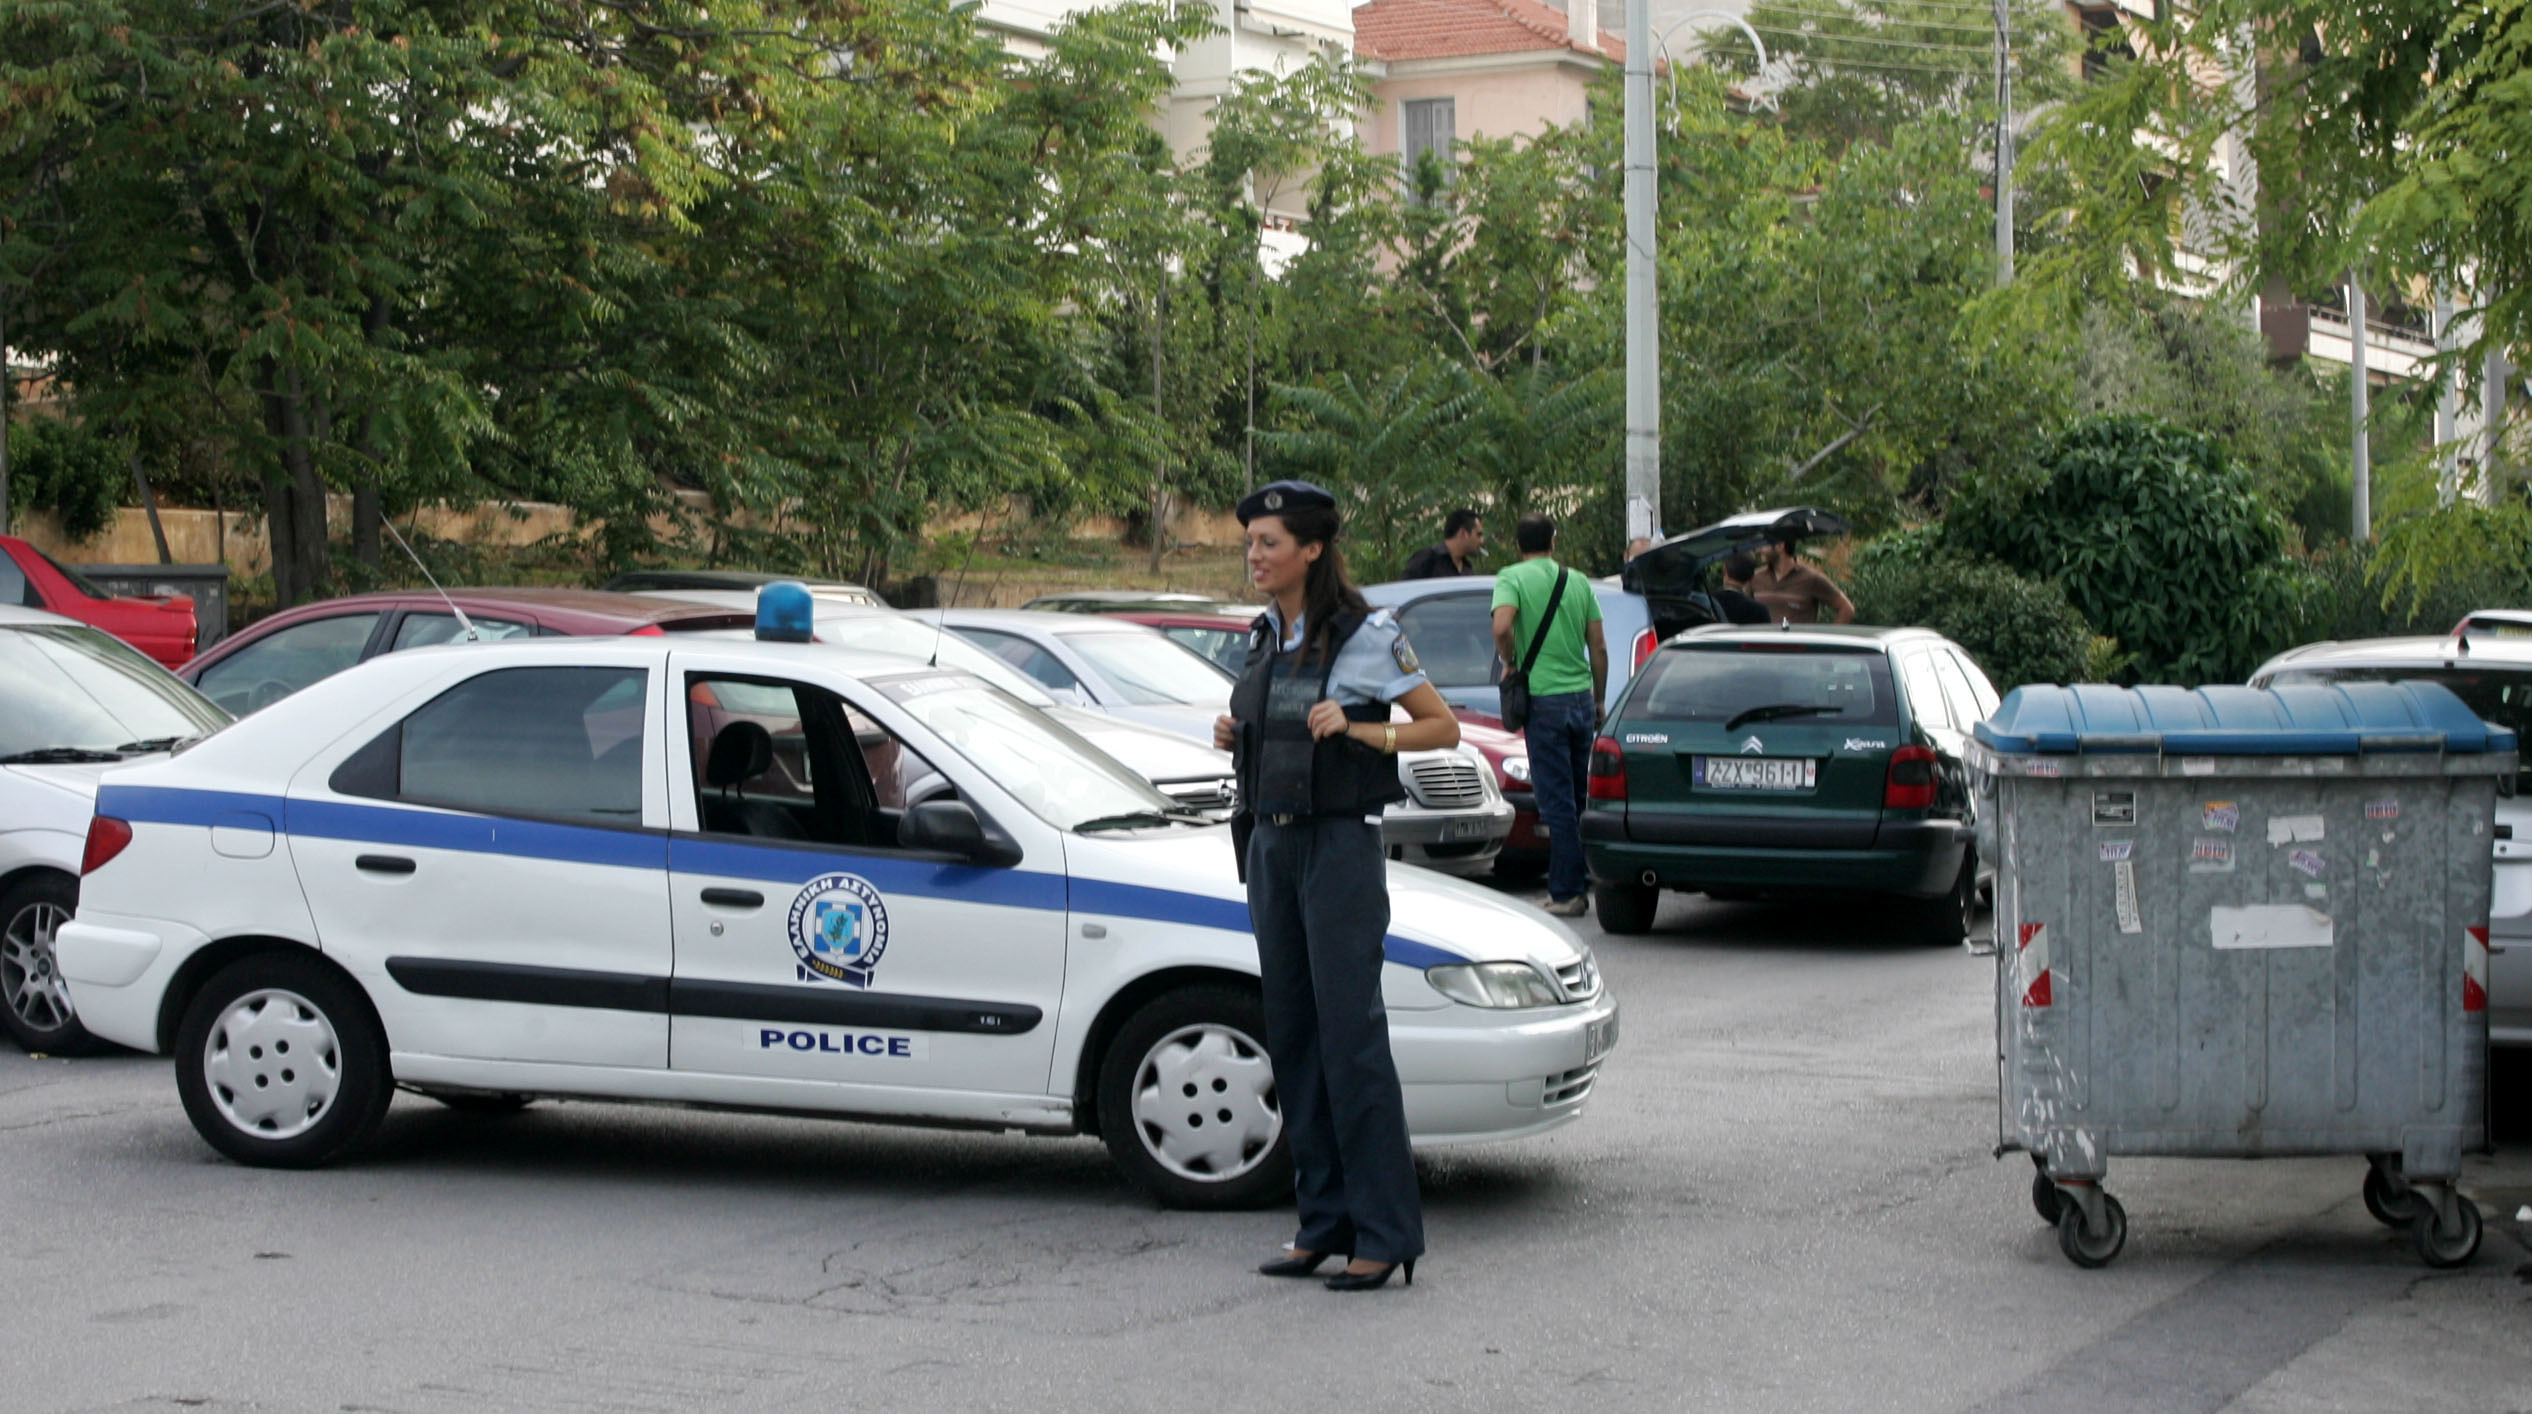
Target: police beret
[[1276, 497]]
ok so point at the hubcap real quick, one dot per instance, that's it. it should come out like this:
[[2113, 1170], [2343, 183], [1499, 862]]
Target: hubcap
[[1204, 1102], [33, 986], [272, 1064]]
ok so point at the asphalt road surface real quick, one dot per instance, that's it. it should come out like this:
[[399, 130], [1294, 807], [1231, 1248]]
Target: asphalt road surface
[[1781, 1198]]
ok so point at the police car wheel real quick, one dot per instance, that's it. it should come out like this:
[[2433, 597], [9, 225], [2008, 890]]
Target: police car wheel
[[34, 999], [1187, 1102], [281, 1063]]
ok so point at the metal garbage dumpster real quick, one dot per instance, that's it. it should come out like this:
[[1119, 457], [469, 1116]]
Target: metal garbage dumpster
[[2242, 922]]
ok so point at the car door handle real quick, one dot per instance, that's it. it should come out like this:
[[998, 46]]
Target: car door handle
[[734, 898], [383, 864]]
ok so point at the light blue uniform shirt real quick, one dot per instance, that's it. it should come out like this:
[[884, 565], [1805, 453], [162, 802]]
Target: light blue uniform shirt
[[1375, 665]]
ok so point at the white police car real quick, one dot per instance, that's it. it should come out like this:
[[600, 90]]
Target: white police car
[[684, 871]]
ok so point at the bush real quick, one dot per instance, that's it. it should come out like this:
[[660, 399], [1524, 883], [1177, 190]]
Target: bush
[[2155, 538], [60, 466], [2019, 630]]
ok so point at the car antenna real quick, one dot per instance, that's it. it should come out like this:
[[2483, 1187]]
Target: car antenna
[[940, 620], [463, 622]]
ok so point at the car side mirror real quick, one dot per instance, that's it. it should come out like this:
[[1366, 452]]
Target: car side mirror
[[952, 827]]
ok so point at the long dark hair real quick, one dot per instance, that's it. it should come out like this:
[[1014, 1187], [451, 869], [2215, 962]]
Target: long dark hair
[[1329, 593]]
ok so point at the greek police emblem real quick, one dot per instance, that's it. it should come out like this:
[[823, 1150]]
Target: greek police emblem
[[839, 929]]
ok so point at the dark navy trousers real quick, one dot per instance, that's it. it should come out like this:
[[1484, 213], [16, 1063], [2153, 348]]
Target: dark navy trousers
[[1318, 898]]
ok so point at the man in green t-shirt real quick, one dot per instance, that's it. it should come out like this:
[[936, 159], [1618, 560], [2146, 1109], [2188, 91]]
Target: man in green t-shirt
[[1568, 681]]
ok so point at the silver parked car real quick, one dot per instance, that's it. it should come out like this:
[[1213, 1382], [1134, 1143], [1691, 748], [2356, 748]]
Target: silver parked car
[[1454, 817], [2492, 673]]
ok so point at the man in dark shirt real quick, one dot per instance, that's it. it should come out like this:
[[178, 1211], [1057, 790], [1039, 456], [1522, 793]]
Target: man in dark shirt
[[1462, 534], [1733, 599]]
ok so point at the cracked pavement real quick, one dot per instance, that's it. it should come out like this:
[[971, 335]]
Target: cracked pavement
[[1781, 1198]]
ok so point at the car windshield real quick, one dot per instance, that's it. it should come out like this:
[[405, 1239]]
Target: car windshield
[[1061, 778], [2501, 696], [903, 637], [70, 687], [1148, 670], [1731, 683]]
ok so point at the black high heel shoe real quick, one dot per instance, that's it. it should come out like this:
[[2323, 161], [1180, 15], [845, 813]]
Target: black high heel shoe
[[1366, 1281], [1295, 1266]]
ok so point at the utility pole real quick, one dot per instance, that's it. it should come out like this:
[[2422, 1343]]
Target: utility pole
[[1643, 297], [2004, 142], [2360, 520]]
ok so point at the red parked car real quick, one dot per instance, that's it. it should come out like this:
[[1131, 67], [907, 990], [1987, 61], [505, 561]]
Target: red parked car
[[276, 657], [162, 628]]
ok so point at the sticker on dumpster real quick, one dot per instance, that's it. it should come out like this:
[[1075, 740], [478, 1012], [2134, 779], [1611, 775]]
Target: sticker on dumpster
[[2197, 765], [2209, 855], [2220, 815], [2269, 925], [2308, 863], [2382, 810], [2048, 769], [2317, 891], [2114, 807], [2131, 920], [2030, 964], [2116, 851], [2294, 829]]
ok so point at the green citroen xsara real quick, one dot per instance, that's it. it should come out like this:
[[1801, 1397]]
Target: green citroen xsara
[[1750, 761]]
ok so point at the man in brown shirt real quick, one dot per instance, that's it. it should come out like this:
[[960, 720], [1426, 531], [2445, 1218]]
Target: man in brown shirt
[[1794, 592]]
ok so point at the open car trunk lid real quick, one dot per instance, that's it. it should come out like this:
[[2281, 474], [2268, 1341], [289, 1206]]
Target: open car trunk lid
[[1675, 576]]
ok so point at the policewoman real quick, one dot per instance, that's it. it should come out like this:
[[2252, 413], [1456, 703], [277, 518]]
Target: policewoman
[[1310, 730]]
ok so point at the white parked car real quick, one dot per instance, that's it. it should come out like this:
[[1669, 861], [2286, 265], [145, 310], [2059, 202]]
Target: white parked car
[[2492, 673], [684, 870], [74, 700], [1454, 817]]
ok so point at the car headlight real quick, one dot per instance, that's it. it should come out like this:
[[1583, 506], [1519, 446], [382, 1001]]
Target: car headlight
[[1517, 768], [1497, 985]]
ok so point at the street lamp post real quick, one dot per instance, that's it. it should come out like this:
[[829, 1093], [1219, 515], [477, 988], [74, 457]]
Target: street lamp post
[[1643, 296]]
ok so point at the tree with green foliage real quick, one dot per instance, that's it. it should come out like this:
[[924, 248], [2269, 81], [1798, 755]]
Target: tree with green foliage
[[2019, 629], [2156, 538]]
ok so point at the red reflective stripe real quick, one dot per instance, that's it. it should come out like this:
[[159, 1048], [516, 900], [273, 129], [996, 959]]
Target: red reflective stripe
[[2031, 964], [2474, 969]]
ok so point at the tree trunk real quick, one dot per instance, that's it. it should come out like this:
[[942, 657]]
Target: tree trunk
[[368, 505], [149, 507], [309, 552]]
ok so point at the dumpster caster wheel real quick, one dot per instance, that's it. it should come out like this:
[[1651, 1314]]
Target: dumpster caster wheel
[[2392, 1207], [2442, 1246], [2044, 1199], [2087, 1248]]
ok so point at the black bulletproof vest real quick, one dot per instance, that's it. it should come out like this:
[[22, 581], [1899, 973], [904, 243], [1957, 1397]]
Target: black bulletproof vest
[[1282, 770]]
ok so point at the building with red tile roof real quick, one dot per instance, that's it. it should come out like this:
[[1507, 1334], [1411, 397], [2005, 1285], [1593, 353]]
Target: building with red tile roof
[[1446, 71]]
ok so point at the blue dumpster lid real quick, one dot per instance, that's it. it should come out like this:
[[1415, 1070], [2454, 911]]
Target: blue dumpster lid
[[2345, 719]]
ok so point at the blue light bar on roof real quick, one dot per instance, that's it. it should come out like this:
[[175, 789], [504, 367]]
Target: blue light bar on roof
[[785, 613]]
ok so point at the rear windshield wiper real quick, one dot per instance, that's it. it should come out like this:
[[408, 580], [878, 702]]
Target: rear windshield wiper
[[1774, 710], [1139, 819], [59, 756]]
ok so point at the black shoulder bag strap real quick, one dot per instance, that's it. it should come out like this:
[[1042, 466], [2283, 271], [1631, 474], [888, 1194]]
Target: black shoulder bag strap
[[1512, 695], [1538, 640]]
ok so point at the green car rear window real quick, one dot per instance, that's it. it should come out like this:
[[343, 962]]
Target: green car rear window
[[1724, 682]]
